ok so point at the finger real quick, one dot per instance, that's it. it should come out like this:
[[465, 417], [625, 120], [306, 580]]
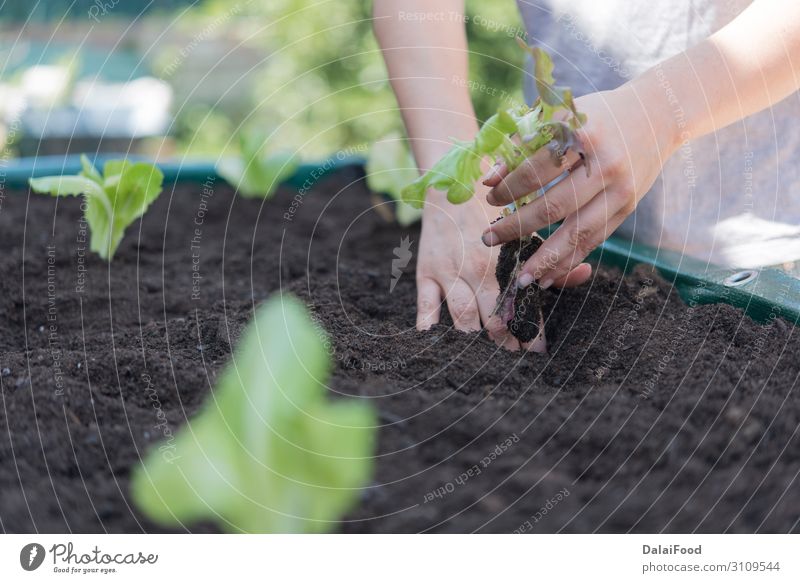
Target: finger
[[564, 199], [429, 303], [506, 339], [538, 344], [495, 327], [576, 277], [495, 174], [463, 307], [534, 173], [578, 236]]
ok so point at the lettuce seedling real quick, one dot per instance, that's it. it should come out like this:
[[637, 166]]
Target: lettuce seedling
[[269, 452], [253, 174], [511, 136], [114, 199], [390, 168]]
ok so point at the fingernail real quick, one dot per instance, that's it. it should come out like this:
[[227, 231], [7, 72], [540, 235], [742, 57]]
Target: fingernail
[[524, 280], [491, 173], [490, 238], [546, 283], [538, 345]]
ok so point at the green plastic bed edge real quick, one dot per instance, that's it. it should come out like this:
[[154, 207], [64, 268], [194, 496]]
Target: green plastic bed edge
[[763, 294], [18, 171]]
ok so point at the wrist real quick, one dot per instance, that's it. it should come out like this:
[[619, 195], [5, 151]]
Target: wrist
[[664, 109], [475, 212], [436, 200], [431, 147]]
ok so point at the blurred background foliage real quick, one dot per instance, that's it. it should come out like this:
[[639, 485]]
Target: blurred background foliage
[[321, 86], [308, 72]]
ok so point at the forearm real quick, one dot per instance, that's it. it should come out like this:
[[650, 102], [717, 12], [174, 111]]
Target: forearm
[[747, 66], [425, 49]]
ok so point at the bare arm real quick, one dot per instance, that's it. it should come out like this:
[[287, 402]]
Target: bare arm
[[425, 46], [747, 66]]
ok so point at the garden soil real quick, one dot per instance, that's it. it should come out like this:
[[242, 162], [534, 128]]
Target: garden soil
[[647, 415]]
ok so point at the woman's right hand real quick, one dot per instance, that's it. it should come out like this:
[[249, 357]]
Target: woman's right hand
[[423, 58], [454, 265]]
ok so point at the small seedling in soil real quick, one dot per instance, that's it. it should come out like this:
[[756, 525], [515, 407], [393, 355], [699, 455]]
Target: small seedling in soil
[[269, 452], [114, 199], [390, 167], [511, 136], [254, 174]]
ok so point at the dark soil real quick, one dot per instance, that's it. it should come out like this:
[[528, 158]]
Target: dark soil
[[526, 316], [647, 415]]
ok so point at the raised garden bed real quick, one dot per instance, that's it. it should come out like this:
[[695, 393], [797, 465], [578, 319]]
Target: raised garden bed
[[647, 415]]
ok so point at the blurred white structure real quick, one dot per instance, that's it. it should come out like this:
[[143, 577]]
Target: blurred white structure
[[139, 108], [46, 105]]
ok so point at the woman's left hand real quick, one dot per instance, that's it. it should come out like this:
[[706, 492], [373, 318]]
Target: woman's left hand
[[627, 141]]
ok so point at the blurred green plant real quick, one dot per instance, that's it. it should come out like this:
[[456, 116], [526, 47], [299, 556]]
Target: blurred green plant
[[256, 174], [390, 168], [321, 81], [269, 451], [114, 199]]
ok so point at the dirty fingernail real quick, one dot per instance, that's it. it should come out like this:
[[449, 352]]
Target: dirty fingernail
[[538, 344], [491, 173], [546, 283], [524, 280], [490, 238]]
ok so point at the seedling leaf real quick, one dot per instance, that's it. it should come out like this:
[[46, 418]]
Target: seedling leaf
[[511, 135], [253, 174], [390, 167], [269, 451], [114, 200]]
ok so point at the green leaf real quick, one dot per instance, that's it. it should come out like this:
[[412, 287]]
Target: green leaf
[[66, 186], [390, 167], [253, 174], [543, 66], [259, 178], [407, 214], [455, 173], [414, 193], [115, 168], [555, 97], [269, 451], [89, 171], [112, 172], [114, 200], [496, 129], [137, 186], [533, 127]]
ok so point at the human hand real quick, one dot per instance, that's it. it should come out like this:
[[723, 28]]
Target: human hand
[[455, 265], [626, 146]]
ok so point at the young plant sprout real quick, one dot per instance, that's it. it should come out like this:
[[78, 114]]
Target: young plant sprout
[[511, 136], [114, 199], [390, 167], [253, 174], [269, 452]]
